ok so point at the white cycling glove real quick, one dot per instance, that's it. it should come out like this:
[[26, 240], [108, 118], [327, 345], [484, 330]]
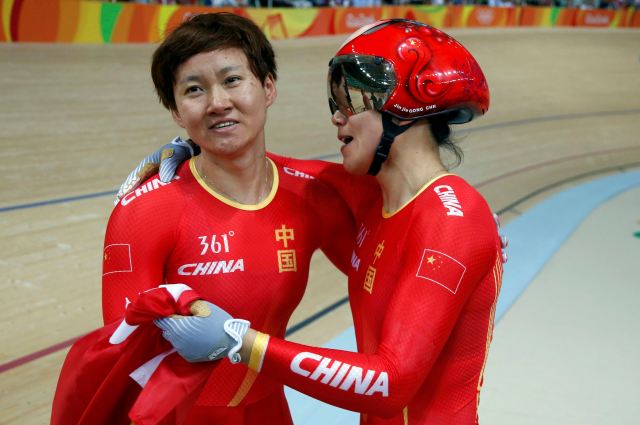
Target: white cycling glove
[[200, 339], [164, 161]]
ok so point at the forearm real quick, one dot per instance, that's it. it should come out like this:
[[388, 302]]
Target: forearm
[[364, 383]]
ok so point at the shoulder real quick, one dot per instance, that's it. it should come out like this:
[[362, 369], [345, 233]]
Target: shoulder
[[302, 175], [454, 208], [352, 189], [328, 172], [155, 198], [309, 168], [301, 182], [452, 196], [452, 219], [154, 191]]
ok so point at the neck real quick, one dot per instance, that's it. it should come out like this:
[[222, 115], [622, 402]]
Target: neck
[[245, 179], [413, 161]]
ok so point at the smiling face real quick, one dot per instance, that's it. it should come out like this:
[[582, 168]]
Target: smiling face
[[220, 103]]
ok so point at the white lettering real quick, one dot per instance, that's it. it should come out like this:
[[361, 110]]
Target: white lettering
[[413, 110], [127, 198], [453, 210], [182, 270], [597, 19], [485, 16], [141, 190], [341, 374], [223, 266], [215, 245], [334, 371], [296, 173], [146, 188], [295, 363], [211, 267], [355, 261], [238, 266], [381, 385], [355, 378], [362, 234], [323, 369], [201, 269], [449, 200]]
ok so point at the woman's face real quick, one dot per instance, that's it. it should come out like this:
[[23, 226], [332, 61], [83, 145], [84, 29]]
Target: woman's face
[[220, 103], [361, 135], [359, 125]]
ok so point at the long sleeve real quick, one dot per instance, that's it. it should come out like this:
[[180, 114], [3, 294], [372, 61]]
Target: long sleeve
[[138, 239], [428, 325]]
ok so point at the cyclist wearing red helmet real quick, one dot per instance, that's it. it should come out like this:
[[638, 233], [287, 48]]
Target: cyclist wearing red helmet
[[426, 267]]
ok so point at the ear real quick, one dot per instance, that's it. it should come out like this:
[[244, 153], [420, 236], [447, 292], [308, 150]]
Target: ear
[[270, 90], [176, 117]]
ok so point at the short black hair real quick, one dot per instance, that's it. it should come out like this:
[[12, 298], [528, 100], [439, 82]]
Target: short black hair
[[206, 33]]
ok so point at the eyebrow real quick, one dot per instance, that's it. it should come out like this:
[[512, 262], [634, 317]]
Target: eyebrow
[[222, 71], [228, 69], [188, 79]]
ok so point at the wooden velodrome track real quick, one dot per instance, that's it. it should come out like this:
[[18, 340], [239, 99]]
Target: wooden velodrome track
[[74, 119]]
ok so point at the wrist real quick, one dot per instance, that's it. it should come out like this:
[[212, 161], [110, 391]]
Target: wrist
[[258, 351], [247, 345], [236, 330]]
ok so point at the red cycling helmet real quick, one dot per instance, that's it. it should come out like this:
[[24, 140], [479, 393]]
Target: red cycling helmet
[[409, 70]]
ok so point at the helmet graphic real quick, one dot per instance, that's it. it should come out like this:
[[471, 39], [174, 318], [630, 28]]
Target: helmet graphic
[[409, 70]]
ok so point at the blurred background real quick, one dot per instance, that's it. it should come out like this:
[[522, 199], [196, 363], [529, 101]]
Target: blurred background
[[557, 157]]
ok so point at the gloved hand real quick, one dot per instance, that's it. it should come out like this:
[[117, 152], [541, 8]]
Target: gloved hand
[[156, 303], [165, 160], [504, 242], [205, 337]]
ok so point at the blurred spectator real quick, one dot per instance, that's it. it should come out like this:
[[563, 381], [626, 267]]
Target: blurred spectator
[[178, 2], [581, 4], [500, 3], [366, 3], [220, 3]]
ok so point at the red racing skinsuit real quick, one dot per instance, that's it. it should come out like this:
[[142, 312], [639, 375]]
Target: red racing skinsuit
[[251, 260], [423, 287]]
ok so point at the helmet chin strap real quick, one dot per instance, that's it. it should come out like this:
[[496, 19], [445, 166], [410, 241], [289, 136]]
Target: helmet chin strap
[[390, 131]]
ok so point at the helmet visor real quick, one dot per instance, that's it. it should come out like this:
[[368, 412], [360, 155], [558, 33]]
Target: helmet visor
[[358, 83]]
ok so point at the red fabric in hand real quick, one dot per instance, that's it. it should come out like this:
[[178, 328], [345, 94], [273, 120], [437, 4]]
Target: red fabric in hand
[[94, 386]]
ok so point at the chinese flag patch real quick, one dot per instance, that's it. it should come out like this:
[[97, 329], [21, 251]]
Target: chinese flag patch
[[116, 258], [441, 269]]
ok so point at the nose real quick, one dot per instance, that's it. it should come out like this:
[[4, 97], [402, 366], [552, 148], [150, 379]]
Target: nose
[[219, 100], [338, 118]]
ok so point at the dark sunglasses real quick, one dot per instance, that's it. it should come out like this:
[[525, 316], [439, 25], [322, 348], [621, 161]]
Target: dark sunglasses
[[358, 83]]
